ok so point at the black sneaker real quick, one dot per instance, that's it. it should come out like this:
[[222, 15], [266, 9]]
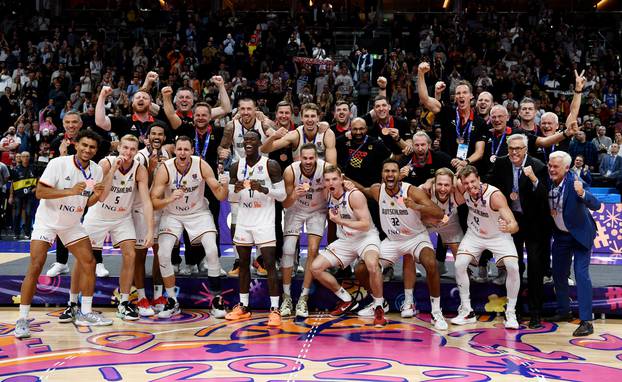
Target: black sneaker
[[218, 308], [170, 309], [69, 314], [585, 329], [127, 311]]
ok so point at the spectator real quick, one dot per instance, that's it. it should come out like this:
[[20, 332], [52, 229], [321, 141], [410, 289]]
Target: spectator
[[601, 142], [22, 196], [582, 170], [9, 145], [611, 166], [586, 150]]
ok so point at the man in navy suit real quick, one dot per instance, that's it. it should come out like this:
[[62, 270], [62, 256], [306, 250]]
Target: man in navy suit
[[611, 165], [524, 182], [573, 235]]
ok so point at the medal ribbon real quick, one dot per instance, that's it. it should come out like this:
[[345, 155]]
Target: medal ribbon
[[87, 177]]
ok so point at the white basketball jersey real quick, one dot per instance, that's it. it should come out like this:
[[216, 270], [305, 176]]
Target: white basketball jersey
[[482, 220], [346, 212], [142, 157], [118, 203], [449, 206], [191, 182], [255, 208], [318, 141], [398, 221], [238, 138], [63, 173], [314, 200]]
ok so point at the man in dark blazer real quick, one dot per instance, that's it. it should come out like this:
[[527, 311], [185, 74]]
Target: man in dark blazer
[[573, 236], [523, 180]]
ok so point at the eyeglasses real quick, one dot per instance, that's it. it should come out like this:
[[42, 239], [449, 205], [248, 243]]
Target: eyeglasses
[[516, 148]]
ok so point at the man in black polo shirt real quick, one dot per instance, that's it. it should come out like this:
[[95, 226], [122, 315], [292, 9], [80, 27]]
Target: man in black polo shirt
[[394, 131], [423, 163], [136, 124], [462, 129]]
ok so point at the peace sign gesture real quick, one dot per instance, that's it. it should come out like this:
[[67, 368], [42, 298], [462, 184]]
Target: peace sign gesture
[[579, 81]]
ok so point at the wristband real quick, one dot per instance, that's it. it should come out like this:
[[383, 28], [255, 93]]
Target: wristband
[[578, 91], [384, 88]]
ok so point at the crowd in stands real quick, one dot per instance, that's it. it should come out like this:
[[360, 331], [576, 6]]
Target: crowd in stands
[[50, 66]]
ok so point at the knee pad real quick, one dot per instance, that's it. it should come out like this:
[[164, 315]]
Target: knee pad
[[166, 242], [211, 254]]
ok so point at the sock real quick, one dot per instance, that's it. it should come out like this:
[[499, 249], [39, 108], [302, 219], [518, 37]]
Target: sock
[[141, 293], [125, 297], [157, 291], [305, 292], [73, 298], [274, 302], [244, 297], [436, 303], [171, 293], [343, 295], [23, 311], [408, 297], [511, 304], [378, 301], [287, 289], [87, 304]]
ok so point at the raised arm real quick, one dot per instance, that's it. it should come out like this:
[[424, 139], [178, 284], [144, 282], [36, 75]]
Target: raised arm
[[224, 107], [579, 83], [428, 102], [278, 139], [169, 109], [101, 119]]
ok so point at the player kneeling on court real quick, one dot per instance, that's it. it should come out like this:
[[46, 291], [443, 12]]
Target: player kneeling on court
[[357, 239], [402, 208]]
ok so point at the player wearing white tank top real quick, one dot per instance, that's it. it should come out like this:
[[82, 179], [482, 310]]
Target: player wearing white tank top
[[67, 186], [357, 239], [490, 226], [246, 119], [178, 189], [151, 157], [312, 131], [258, 182], [402, 208], [305, 204], [113, 216], [444, 194]]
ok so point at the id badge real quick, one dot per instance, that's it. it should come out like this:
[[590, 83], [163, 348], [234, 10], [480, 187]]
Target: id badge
[[463, 148]]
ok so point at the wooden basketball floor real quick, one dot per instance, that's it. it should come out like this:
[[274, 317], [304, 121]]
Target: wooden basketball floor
[[196, 347]]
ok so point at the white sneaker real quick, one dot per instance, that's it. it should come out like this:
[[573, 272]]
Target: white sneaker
[[22, 328], [510, 320], [369, 310], [408, 310], [500, 279], [286, 306], [300, 269], [185, 270], [571, 281], [465, 316], [57, 269], [92, 319], [223, 273], [547, 280], [217, 309], [101, 271], [302, 309], [439, 321]]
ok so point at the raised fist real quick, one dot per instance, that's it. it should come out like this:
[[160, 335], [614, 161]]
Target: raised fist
[[423, 68], [106, 91], [167, 92]]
